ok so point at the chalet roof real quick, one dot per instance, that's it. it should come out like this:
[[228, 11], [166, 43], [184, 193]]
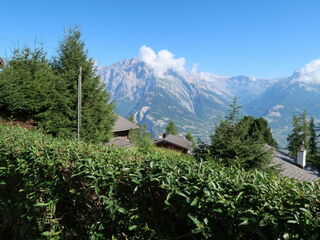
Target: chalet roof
[[288, 167], [175, 140], [120, 142], [123, 124], [1, 62]]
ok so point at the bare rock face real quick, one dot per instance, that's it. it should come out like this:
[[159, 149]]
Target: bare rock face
[[196, 100]]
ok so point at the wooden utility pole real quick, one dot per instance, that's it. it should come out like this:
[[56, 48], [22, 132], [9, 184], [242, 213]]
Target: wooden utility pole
[[79, 101]]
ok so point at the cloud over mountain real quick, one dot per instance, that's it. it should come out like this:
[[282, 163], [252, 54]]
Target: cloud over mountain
[[162, 61], [310, 73]]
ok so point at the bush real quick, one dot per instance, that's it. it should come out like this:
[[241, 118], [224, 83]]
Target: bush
[[54, 189]]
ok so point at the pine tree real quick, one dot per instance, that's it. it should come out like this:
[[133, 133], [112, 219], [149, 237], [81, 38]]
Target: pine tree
[[313, 144], [97, 112], [26, 85], [232, 142], [234, 112], [259, 129], [171, 128], [299, 133]]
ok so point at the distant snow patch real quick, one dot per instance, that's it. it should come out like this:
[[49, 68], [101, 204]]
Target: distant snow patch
[[142, 111], [274, 112], [160, 123]]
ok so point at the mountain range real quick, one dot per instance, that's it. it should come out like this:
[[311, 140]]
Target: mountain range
[[157, 92]]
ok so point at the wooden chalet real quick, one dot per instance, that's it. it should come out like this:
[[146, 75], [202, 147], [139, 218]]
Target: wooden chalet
[[173, 142], [121, 130]]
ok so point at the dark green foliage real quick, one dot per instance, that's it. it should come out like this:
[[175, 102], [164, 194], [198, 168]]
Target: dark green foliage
[[97, 113], [54, 189], [232, 144], [313, 142], [299, 134], [239, 142], [259, 130], [171, 128], [26, 85], [33, 88]]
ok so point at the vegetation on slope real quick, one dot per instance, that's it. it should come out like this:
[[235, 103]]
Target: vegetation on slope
[[56, 189]]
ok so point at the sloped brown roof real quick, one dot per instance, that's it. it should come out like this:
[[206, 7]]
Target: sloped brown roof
[[175, 140], [1, 63], [120, 142], [123, 124]]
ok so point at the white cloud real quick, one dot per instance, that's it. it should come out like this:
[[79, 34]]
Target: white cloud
[[277, 107], [162, 61], [310, 73]]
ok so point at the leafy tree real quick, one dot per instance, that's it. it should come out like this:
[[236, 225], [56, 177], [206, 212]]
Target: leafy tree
[[26, 85], [141, 138], [97, 112], [189, 137], [171, 128]]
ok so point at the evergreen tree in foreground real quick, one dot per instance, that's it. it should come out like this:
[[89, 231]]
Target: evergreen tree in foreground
[[26, 84], [171, 128], [97, 113]]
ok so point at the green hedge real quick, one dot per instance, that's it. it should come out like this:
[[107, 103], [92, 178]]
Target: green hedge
[[54, 189]]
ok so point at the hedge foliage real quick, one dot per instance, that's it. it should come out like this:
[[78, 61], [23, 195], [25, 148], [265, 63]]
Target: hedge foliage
[[55, 189]]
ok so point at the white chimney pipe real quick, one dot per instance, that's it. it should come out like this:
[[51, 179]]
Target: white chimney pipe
[[301, 156]]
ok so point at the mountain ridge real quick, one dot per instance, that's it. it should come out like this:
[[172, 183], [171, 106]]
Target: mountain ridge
[[196, 100]]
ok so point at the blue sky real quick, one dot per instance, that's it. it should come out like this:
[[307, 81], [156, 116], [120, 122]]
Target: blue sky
[[262, 38]]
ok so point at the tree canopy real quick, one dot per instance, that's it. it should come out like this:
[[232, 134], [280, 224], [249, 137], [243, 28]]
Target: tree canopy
[[238, 141], [171, 128], [32, 87]]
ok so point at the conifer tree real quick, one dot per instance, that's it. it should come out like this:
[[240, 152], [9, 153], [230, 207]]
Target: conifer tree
[[97, 112], [259, 129], [313, 144], [26, 84], [234, 112], [171, 128], [299, 133], [231, 142]]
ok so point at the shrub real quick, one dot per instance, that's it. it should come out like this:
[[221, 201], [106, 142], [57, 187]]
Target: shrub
[[55, 189]]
